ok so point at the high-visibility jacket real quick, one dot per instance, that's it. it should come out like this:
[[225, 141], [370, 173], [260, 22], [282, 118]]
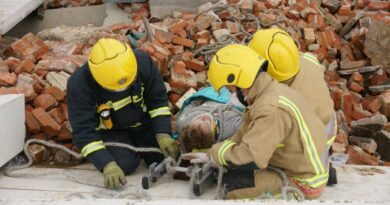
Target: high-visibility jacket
[[278, 129], [143, 104]]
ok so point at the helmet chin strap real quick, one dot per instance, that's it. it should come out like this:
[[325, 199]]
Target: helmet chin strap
[[241, 97]]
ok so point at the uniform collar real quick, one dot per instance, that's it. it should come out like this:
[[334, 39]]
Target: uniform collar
[[261, 83]]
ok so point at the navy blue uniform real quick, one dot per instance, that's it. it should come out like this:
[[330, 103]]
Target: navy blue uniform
[[137, 113]]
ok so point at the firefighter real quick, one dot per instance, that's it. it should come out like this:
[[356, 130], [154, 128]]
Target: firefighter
[[301, 72], [119, 96], [279, 129]]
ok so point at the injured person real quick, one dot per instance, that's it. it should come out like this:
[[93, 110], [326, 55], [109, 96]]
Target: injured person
[[208, 117]]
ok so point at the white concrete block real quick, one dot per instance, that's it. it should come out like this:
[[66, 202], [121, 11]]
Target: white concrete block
[[12, 128]]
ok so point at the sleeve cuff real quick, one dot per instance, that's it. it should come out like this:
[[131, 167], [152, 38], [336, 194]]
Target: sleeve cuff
[[100, 158]]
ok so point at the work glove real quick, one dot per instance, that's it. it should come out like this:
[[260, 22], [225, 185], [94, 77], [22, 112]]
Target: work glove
[[167, 145], [113, 176], [198, 157]]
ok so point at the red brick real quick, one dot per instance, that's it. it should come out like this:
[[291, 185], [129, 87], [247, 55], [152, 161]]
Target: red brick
[[26, 66], [233, 27], [367, 100], [181, 79], [119, 26], [176, 27], [64, 109], [201, 42], [356, 87], [379, 77], [317, 20], [173, 97], [78, 60], [347, 53], [309, 35], [358, 114], [356, 98], [45, 101], [345, 10], [272, 4], [29, 47], [205, 34], [32, 124], [8, 79], [384, 98], [375, 105], [346, 104], [148, 48], [38, 152], [293, 14], [28, 107], [258, 7], [57, 115], [360, 4], [40, 136], [49, 126], [368, 144], [352, 64], [182, 41], [12, 63], [195, 65], [28, 92], [359, 156], [64, 134], [163, 60], [163, 36], [54, 91], [379, 5], [356, 76], [247, 6]]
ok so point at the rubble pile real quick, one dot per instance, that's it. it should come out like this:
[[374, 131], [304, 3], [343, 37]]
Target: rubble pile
[[40, 69], [48, 4], [350, 38]]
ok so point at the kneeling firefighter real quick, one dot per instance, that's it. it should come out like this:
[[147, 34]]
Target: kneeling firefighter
[[119, 96], [279, 132]]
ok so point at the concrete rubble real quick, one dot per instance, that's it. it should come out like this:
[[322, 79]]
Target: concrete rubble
[[349, 38]]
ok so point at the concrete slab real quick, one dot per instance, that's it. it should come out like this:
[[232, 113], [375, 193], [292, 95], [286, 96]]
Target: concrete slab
[[162, 8], [115, 15], [357, 184], [12, 12], [63, 16], [12, 128]]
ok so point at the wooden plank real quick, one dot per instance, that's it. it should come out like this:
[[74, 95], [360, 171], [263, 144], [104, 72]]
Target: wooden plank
[[12, 12]]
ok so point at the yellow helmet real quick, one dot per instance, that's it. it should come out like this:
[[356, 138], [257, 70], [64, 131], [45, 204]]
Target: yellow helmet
[[280, 50], [236, 65], [112, 64]]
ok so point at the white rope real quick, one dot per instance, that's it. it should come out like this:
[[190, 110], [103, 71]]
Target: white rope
[[9, 171]]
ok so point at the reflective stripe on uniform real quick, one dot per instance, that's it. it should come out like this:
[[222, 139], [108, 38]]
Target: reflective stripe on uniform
[[280, 145], [160, 111], [330, 141], [121, 103], [92, 147], [221, 152], [311, 58], [321, 175]]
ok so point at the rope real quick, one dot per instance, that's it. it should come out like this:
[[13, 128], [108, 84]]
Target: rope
[[10, 170], [288, 192]]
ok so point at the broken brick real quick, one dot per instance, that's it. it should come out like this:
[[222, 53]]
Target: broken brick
[[8, 79], [352, 64], [181, 79], [309, 35], [29, 47], [57, 115], [25, 66], [32, 124], [182, 41], [12, 63], [358, 156], [49, 126], [163, 36], [195, 65], [45, 101], [379, 5], [64, 134], [368, 144], [54, 91], [37, 152], [345, 10], [356, 87]]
